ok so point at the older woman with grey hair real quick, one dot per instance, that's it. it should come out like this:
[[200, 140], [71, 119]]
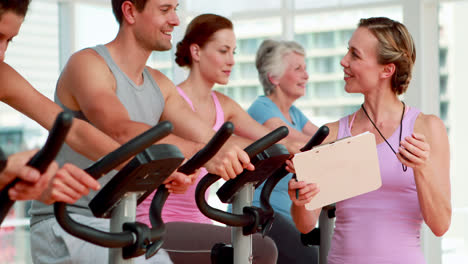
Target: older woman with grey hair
[[282, 72]]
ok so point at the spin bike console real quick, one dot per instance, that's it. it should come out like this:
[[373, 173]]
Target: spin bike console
[[142, 175]]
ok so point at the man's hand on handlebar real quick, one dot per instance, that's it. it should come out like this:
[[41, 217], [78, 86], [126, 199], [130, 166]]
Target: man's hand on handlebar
[[66, 184], [16, 168]]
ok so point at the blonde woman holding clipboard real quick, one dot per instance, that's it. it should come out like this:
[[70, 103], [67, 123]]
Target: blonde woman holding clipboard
[[383, 226]]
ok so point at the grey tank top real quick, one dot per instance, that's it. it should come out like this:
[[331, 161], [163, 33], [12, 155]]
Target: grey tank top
[[144, 103]]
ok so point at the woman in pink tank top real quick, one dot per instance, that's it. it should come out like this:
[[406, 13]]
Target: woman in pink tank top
[[383, 226], [207, 50]]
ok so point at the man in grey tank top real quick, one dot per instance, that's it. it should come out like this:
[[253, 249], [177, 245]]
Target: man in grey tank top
[[111, 87]]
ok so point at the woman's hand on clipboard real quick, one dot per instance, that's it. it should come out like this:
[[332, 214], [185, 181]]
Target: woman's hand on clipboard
[[302, 193]]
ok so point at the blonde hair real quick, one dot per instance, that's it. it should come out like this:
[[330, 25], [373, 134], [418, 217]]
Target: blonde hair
[[395, 45]]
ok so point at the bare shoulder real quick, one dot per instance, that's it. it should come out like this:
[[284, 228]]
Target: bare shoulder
[[86, 66], [224, 99], [230, 107], [333, 134], [87, 58], [86, 73], [431, 126], [4, 67]]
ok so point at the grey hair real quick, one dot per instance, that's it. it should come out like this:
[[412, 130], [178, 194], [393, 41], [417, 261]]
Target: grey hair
[[269, 60]]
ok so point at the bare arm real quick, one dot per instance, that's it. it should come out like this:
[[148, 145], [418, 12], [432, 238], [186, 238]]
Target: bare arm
[[309, 129], [87, 84], [427, 152], [247, 127], [87, 77], [304, 219], [19, 94], [275, 122]]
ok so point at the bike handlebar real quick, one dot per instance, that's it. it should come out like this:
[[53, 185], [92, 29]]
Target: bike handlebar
[[103, 166], [224, 217], [198, 160], [42, 159]]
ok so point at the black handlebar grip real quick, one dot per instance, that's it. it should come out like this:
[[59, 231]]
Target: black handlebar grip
[[266, 141], [42, 158], [317, 138], [129, 149], [224, 217], [214, 213], [54, 142], [205, 154], [200, 158]]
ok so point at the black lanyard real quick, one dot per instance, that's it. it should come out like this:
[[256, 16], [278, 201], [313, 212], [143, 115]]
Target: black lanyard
[[401, 129]]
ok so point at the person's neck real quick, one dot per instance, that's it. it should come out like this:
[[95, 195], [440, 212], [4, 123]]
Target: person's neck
[[282, 101], [129, 55], [383, 106], [196, 87]]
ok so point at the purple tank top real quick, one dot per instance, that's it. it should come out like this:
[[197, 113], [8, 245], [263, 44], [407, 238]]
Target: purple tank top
[[182, 207], [382, 226]]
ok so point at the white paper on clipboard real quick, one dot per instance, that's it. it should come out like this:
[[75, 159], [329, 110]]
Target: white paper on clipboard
[[342, 169]]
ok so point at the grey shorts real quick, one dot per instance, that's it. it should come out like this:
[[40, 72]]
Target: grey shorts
[[50, 244]]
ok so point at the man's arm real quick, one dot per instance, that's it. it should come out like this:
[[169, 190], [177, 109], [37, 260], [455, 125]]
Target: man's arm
[[82, 137], [87, 84]]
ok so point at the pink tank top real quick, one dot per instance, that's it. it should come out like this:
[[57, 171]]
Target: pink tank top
[[382, 226], [182, 207]]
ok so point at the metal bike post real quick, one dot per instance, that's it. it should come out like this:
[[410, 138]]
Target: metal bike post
[[124, 212], [242, 244]]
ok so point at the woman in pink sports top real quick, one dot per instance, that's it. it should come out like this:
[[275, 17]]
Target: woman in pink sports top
[[207, 50], [383, 226]]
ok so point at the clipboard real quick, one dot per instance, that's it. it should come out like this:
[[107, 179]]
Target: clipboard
[[342, 169]]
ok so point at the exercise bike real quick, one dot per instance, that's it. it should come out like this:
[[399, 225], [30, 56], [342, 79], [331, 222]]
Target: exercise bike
[[239, 191], [141, 176]]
